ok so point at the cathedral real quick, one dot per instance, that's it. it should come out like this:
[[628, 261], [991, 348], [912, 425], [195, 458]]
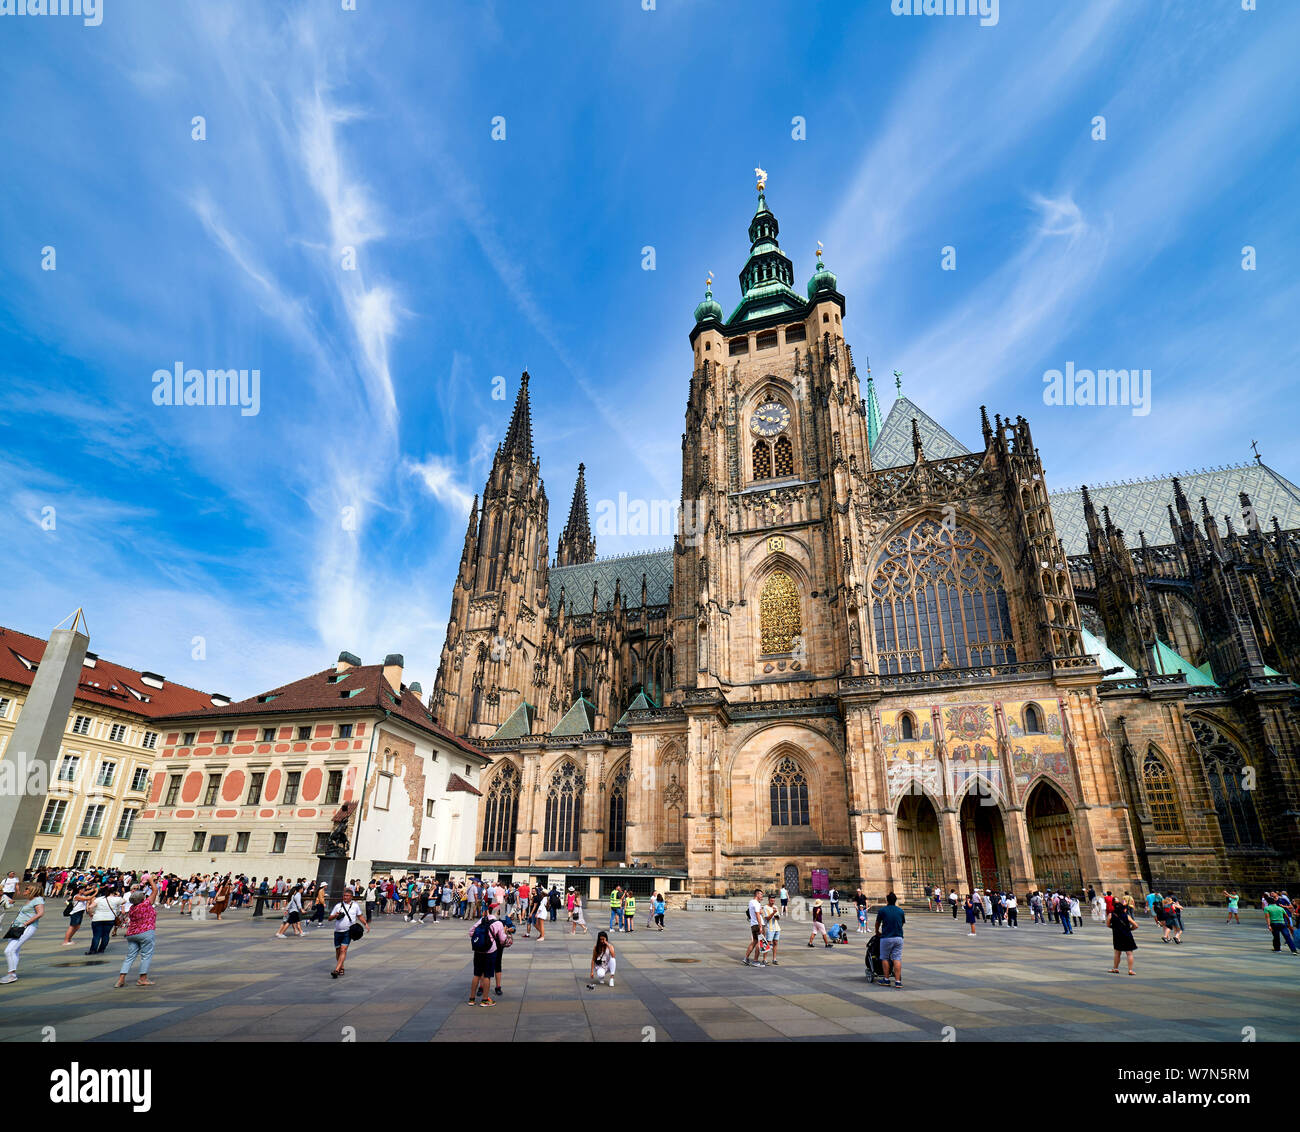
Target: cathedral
[[875, 655]]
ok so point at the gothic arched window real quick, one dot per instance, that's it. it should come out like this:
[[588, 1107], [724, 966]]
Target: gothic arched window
[[617, 835], [501, 811], [762, 459], [783, 457], [1225, 767], [789, 794], [563, 810], [906, 728], [938, 602], [1162, 798], [1033, 720], [778, 614]]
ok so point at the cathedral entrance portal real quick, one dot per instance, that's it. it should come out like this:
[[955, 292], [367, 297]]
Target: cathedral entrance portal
[[790, 879], [984, 844], [1051, 841], [920, 853]]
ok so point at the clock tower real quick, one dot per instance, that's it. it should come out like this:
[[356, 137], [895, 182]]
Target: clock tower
[[765, 598]]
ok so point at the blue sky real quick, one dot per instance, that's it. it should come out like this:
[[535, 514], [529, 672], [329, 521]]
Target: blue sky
[[475, 258]]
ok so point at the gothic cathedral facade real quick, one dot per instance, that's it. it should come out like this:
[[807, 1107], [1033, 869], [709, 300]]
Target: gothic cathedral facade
[[868, 652]]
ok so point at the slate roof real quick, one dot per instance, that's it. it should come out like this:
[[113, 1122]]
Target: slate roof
[[105, 683], [656, 565], [1142, 505], [893, 447]]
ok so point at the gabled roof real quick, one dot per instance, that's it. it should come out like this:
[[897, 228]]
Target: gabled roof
[[1143, 505], [455, 782], [578, 720], [1171, 663], [641, 703], [517, 724], [103, 683], [657, 566], [1094, 646], [361, 688], [893, 447]]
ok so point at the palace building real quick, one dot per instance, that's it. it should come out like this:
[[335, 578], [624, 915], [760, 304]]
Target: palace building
[[876, 652]]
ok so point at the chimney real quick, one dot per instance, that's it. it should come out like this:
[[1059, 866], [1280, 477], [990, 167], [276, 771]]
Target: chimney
[[416, 689], [346, 661], [393, 664]]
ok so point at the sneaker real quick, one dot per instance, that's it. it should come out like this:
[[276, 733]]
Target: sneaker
[[746, 962], [499, 992], [9, 978], [611, 980], [591, 986], [487, 1002]]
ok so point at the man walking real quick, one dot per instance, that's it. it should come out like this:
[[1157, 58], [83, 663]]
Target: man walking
[[755, 931], [1276, 917], [835, 901], [889, 926]]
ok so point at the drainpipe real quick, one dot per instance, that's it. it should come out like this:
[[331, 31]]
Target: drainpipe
[[365, 779]]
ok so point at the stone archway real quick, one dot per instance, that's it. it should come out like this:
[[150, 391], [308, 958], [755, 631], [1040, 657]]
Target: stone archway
[[984, 843], [1052, 844], [920, 851]]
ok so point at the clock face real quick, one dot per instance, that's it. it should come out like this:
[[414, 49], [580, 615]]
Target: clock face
[[769, 419]]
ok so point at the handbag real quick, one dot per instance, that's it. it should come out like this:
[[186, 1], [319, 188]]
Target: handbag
[[15, 932], [355, 930]]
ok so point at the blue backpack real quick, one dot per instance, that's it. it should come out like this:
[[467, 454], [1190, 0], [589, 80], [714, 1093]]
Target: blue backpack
[[481, 937]]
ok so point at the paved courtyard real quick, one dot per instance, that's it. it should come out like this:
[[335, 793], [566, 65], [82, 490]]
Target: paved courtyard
[[231, 981]]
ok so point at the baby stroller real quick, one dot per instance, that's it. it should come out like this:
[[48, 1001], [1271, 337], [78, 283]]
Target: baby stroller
[[875, 971]]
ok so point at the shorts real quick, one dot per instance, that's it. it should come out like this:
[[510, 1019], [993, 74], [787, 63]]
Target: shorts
[[774, 936], [342, 939], [753, 931], [891, 948], [75, 919], [293, 917], [485, 964], [818, 928]]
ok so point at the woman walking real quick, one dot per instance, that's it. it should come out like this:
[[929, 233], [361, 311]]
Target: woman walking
[[818, 928], [20, 931], [104, 911], [141, 923], [603, 961], [293, 914], [76, 909], [660, 908], [1121, 929], [579, 918], [318, 907], [222, 898], [347, 914]]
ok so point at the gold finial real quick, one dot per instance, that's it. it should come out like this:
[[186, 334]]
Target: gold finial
[[708, 283], [761, 174], [819, 249]]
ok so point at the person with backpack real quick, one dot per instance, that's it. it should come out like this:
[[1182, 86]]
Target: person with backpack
[[350, 926], [660, 908], [486, 939], [629, 911]]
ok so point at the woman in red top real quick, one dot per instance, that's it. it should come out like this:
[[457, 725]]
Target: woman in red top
[[141, 920]]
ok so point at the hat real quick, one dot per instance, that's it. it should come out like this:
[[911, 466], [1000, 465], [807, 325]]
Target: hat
[[570, 888], [817, 903]]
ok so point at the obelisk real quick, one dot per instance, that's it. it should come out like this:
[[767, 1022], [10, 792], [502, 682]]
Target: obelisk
[[34, 746]]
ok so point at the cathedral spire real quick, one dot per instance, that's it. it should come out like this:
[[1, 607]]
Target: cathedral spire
[[576, 542], [519, 436], [873, 409]]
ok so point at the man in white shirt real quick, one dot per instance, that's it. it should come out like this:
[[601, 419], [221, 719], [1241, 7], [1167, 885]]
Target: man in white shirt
[[785, 901], [755, 930], [8, 889]]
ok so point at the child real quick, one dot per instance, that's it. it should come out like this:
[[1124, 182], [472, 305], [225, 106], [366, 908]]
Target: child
[[602, 961]]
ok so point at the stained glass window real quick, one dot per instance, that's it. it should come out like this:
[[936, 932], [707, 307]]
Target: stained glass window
[[779, 622], [563, 810], [938, 602], [1226, 770], [501, 811], [789, 794], [617, 836], [1162, 799]]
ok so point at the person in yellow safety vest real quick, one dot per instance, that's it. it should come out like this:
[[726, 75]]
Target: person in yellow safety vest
[[615, 907], [629, 912]]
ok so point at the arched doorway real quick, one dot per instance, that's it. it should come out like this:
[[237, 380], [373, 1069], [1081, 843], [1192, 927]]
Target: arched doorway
[[984, 843], [1051, 840], [920, 853], [790, 879]]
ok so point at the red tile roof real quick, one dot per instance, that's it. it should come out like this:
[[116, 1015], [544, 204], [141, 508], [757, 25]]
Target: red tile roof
[[319, 693], [455, 782], [106, 684]]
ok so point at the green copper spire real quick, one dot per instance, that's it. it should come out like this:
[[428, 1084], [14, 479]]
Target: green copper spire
[[767, 279], [873, 411]]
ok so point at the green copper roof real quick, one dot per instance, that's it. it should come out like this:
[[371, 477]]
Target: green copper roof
[[823, 278], [641, 703], [1171, 663], [873, 413], [1093, 646], [580, 718], [518, 724]]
